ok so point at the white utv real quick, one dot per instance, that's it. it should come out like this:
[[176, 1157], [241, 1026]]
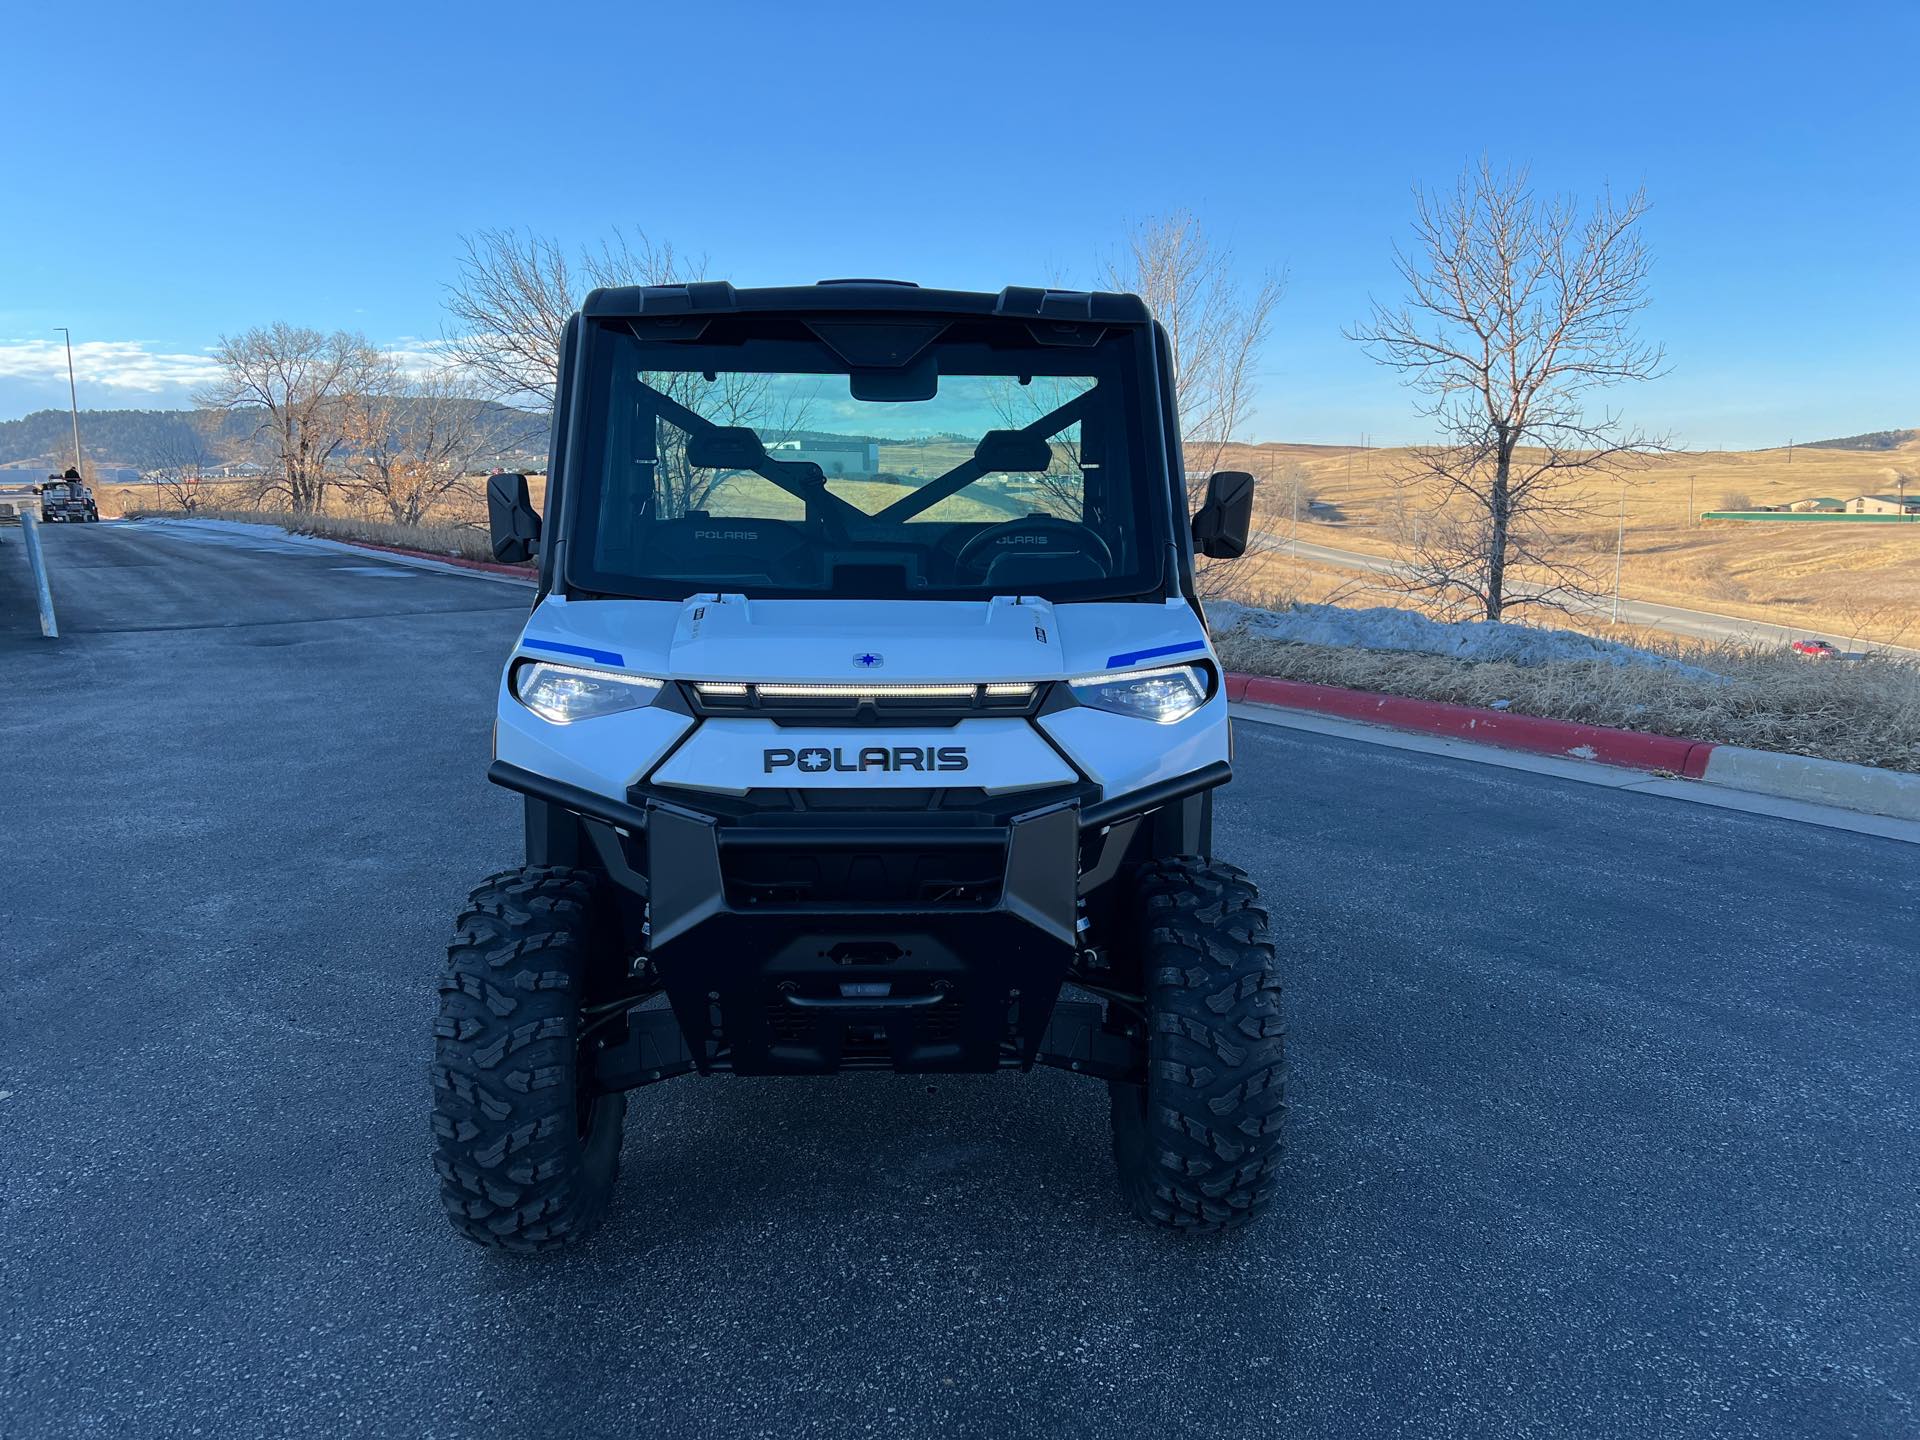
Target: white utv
[[866, 710]]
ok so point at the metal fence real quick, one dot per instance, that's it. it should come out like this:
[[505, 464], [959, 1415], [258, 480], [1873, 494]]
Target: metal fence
[[1817, 516]]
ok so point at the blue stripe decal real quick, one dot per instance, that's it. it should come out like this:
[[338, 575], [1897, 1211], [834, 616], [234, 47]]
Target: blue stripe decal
[[605, 657], [1155, 653]]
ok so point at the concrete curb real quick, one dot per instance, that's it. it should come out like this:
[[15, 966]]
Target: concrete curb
[[1894, 793], [1861, 788], [1630, 748], [519, 572]]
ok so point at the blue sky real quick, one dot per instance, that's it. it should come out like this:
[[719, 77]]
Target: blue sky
[[212, 167]]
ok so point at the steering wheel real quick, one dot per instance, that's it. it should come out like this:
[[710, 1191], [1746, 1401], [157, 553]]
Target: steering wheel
[[1032, 535]]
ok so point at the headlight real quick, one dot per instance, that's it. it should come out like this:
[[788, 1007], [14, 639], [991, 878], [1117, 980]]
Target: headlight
[[565, 693], [1163, 696]]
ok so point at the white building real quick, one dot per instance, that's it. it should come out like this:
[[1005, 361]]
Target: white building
[[847, 459], [1884, 505]]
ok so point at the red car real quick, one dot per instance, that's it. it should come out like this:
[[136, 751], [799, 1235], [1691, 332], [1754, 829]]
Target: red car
[[1815, 649]]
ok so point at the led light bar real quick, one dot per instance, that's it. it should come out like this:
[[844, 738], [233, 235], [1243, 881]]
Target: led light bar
[[876, 692], [1108, 676], [783, 690]]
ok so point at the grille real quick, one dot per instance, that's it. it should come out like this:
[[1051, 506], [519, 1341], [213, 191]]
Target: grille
[[925, 875]]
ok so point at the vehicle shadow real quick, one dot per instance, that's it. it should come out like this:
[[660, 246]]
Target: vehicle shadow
[[941, 1253]]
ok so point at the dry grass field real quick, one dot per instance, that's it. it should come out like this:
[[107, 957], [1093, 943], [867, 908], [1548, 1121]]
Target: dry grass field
[[1857, 581]]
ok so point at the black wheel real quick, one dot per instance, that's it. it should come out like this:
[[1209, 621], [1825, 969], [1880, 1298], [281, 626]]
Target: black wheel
[[1198, 1145], [526, 1148]]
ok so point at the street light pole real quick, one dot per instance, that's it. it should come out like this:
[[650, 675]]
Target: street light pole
[[73, 398]]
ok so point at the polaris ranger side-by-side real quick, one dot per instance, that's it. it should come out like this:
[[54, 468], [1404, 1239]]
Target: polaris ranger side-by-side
[[68, 498], [866, 719]]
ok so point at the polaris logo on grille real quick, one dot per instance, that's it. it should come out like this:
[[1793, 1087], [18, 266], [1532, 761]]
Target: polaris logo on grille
[[893, 759]]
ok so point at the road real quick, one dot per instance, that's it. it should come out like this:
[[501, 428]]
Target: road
[[1603, 1119], [1669, 619]]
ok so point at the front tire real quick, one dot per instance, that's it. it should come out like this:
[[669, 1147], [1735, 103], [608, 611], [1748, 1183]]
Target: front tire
[[527, 1150], [1198, 1146]]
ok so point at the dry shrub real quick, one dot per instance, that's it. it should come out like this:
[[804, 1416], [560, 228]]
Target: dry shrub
[[1864, 711]]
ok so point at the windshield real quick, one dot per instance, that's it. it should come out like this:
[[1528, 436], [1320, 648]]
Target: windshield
[[770, 466]]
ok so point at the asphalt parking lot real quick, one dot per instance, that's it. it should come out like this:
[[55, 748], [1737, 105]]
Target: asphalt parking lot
[[1604, 1105]]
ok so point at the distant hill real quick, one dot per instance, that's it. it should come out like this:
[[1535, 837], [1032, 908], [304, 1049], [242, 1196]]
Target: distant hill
[[139, 439], [157, 439], [1872, 440]]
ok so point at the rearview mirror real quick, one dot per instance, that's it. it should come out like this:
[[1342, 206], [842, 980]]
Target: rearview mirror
[[917, 380], [1225, 518], [514, 523]]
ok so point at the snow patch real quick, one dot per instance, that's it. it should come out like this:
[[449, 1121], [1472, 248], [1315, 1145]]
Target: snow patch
[[1386, 628]]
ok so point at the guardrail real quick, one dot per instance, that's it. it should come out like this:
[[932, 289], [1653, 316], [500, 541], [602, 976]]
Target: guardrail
[[37, 563]]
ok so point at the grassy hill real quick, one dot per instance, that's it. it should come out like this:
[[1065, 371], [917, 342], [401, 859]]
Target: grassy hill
[[1872, 440], [1865, 582]]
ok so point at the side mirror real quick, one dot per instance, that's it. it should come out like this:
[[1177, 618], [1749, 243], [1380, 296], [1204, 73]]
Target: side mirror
[[514, 523], [1225, 518]]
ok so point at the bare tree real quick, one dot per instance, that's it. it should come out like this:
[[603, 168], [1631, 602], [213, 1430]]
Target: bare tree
[[176, 461], [410, 441], [1291, 495], [514, 293], [300, 382], [1214, 327], [1061, 489], [732, 397], [1517, 310]]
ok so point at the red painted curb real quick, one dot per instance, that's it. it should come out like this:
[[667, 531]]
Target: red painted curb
[[522, 572], [1629, 748]]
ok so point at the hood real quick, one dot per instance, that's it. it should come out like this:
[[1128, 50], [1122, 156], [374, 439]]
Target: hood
[[731, 638], [736, 639]]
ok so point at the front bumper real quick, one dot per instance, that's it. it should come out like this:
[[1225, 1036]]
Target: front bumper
[[811, 943]]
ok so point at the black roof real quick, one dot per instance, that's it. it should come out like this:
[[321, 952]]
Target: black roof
[[891, 296]]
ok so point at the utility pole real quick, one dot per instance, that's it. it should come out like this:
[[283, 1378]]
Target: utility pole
[[1789, 450], [1619, 551], [73, 400]]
